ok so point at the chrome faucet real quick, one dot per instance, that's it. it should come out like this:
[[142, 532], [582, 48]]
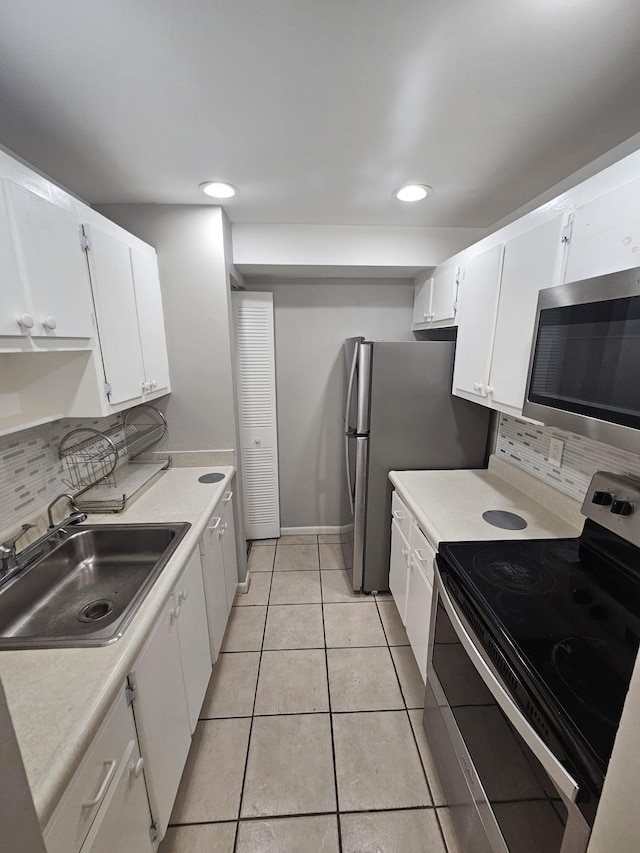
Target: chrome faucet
[[57, 498], [8, 555], [12, 562]]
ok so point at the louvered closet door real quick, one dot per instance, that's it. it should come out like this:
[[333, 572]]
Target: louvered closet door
[[255, 365]]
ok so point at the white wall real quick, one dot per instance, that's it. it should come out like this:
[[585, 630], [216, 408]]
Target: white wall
[[312, 320]]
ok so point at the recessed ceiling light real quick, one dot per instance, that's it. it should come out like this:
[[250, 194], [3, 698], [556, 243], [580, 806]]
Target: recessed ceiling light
[[412, 192], [218, 189]]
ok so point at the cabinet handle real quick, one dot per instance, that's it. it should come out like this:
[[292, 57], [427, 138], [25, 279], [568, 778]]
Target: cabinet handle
[[397, 514], [215, 525], [419, 554], [183, 595], [175, 612], [49, 323], [488, 390], [26, 321], [111, 769], [404, 552], [477, 386], [136, 768], [425, 316], [227, 497]]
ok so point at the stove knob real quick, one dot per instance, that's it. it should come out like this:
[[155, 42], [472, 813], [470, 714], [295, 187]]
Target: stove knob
[[622, 507], [602, 498]]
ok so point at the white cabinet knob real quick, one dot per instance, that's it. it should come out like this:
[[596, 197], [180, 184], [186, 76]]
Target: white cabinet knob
[[183, 595], [136, 768], [49, 323], [488, 390], [425, 316], [175, 612], [477, 386], [26, 321]]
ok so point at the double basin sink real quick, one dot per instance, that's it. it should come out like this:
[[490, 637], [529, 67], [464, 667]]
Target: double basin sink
[[85, 589]]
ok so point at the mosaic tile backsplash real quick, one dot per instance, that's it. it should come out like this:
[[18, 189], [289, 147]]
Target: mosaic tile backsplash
[[31, 474], [527, 446]]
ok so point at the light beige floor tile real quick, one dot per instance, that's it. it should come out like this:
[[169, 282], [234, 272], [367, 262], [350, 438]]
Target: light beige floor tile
[[294, 558], [392, 832], [437, 794], [290, 766], [244, 629], [295, 588], [393, 627], [294, 626], [411, 681], [377, 762], [329, 538], [363, 680], [331, 557], [316, 834], [212, 780], [259, 543], [204, 838], [258, 592], [232, 687], [353, 625], [261, 559], [298, 539], [337, 589], [292, 682]]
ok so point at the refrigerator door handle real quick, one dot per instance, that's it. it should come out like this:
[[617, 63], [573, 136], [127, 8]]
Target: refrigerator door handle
[[349, 483], [347, 411]]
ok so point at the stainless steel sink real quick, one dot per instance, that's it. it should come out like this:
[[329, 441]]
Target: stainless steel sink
[[86, 589]]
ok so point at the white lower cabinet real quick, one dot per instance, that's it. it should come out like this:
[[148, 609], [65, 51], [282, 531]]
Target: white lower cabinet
[[105, 806], [228, 536], [166, 683], [411, 573]]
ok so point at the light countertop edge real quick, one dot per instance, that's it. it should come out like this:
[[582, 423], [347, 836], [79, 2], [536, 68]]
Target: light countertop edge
[[58, 698]]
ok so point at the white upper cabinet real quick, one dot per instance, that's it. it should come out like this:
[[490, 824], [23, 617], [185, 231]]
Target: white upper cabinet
[[146, 280], [43, 272], [532, 262], [435, 298], [52, 267], [606, 234], [479, 294]]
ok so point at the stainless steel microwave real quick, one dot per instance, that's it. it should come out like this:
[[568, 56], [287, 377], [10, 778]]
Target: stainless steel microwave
[[584, 370]]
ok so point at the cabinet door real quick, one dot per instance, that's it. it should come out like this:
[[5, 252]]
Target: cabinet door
[[215, 585], [478, 300], [150, 319], [422, 303], [123, 822], [162, 716], [53, 265], [112, 282], [444, 290], [229, 549], [399, 569], [419, 599], [194, 637], [532, 262], [14, 303], [605, 235]]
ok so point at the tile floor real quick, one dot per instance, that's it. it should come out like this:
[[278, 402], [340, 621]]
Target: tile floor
[[310, 738]]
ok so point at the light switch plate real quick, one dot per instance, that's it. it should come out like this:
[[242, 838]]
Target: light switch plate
[[556, 446]]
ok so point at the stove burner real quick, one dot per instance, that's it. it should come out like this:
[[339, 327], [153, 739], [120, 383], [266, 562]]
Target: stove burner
[[513, 571], [576, 659]]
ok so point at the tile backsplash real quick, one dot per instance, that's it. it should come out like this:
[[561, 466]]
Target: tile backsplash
[[31, 473], [527, 446]]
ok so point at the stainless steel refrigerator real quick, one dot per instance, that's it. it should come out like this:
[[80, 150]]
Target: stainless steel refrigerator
[[399, 415]]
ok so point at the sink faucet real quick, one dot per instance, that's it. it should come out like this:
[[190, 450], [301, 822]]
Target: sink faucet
[[57, 498], [12, 562], [8, 555]]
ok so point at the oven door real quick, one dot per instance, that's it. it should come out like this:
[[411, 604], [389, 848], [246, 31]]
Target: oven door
[[506, 790]]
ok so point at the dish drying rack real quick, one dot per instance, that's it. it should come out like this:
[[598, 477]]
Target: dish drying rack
[[102, 461]]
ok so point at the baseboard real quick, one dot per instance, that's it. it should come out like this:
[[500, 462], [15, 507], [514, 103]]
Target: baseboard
[[243, 587], [302, 531]]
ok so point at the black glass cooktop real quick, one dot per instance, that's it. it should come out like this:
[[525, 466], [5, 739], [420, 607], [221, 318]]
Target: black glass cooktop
[[566, 613]]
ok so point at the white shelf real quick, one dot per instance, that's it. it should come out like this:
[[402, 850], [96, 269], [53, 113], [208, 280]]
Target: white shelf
[[16, 423]]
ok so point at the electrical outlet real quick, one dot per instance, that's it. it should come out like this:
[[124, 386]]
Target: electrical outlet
[[556, 446]]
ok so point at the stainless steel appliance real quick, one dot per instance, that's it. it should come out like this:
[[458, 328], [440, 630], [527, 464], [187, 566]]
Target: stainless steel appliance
[[399, 414], [583, 371], [532, 648]]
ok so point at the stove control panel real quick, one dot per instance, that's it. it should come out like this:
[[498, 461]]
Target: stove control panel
[[612, 501]]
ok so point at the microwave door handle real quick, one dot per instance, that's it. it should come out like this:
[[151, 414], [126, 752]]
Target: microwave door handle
[[565, 783], [352, 379]]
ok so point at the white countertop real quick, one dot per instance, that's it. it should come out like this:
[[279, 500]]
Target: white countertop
[[59, 697], [448, 505]]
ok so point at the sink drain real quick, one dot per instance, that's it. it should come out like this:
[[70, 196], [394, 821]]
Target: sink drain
[[96, 610]]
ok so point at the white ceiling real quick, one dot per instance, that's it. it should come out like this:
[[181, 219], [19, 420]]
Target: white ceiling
[[317, 109]]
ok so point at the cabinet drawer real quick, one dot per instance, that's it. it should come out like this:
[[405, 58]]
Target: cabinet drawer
[[401, 514], [422, 551], [72, 819]]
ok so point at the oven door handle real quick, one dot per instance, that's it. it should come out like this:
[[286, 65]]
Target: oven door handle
[[564, 782]]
